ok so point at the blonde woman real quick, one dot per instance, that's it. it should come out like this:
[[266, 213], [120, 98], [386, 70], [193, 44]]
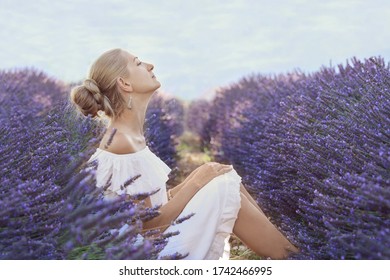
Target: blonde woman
[[120, 85]]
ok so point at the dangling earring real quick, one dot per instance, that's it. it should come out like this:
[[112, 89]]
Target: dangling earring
[[129, 105]]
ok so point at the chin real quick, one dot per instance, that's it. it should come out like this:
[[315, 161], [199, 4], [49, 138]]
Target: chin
[[158, 85]]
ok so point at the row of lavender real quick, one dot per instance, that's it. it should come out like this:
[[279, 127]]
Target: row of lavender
[[49, 207], [315, 152]]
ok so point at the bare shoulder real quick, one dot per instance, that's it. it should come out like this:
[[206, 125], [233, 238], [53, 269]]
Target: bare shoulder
[[117, 143]]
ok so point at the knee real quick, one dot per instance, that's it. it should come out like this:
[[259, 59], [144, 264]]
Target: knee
[[283, 251]]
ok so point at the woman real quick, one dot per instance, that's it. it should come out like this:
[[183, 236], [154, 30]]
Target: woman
[[120, 85]]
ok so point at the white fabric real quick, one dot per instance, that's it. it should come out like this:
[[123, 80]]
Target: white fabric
[[154, 173], [206, 234], [203, 236]]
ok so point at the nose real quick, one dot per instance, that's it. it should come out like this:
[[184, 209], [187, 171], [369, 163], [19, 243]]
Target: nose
[[149, 66]]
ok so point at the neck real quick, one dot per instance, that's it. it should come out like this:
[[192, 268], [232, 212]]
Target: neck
[[132, 121]]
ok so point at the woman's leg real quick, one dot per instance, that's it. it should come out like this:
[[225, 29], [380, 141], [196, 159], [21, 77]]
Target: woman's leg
[[259, 234], [250, 198]]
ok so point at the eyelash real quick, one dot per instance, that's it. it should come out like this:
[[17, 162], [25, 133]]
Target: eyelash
[[139, 63]]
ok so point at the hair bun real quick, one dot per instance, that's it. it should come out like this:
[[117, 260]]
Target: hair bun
[[92, 86], [99, 91], [88, 98]]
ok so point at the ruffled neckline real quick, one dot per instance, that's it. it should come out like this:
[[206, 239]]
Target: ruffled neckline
[[119, 168], [135, 154]]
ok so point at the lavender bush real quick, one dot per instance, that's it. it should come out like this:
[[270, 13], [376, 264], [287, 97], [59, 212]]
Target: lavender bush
[[49, 205], [197, 116], [314, 150], [164, 125]]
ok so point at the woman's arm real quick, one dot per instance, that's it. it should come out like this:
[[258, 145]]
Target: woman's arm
[[173, 191], [184, 193]]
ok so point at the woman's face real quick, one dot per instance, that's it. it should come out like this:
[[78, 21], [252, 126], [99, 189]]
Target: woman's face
[[141, 76]]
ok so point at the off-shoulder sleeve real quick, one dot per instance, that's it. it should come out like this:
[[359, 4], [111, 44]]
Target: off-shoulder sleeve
[[115, 170]]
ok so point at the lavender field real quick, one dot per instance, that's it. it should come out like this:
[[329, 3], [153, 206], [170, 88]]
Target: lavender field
[[49, 205], [313, 149], [315, 152]]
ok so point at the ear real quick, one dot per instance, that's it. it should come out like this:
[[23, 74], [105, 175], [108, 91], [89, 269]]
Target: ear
[[124, 85]]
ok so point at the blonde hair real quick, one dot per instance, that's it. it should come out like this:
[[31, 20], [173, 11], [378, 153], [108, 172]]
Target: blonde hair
[[99, 91]]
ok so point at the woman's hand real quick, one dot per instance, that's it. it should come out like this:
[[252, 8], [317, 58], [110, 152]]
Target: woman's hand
[[208, 171], [200, 177], [182, 194]]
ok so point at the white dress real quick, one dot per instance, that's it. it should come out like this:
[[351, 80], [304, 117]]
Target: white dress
[[203, 236]]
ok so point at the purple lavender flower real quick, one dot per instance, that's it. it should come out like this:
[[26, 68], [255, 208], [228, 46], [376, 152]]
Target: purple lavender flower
[[314, 152]]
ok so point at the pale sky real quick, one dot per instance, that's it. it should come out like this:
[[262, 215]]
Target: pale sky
[[196, 46]]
